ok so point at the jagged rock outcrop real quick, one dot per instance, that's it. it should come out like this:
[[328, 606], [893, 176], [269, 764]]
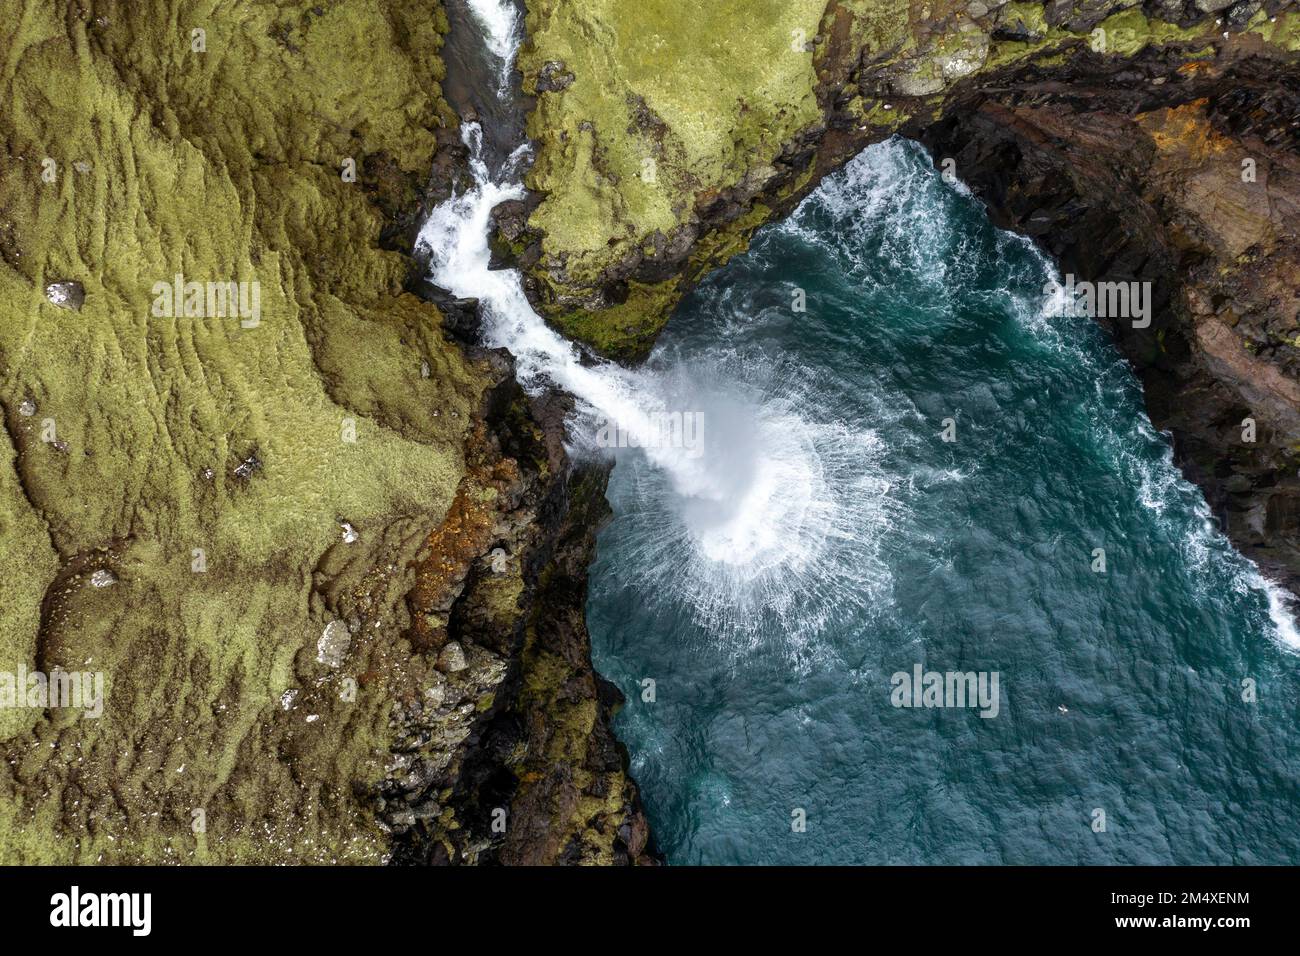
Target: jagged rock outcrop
[[264, 501], [531, 773], [1115, 132], [679, 136], [328, 559]]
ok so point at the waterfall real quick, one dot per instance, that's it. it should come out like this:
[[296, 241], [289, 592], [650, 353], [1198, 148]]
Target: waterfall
[[760, 508], [620, 401], [759, 490], [638, 408]]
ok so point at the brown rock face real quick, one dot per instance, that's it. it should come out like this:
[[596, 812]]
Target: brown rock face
[[531, 773]]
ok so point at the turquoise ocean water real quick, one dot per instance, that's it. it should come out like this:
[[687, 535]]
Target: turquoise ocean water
[[852, 542]]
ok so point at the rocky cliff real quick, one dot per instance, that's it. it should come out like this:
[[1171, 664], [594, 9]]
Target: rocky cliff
[[1152, 142], [327, 562]]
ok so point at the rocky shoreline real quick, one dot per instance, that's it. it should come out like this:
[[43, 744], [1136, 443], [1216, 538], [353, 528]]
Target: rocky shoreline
[[1114, 134], [1148, 186], [511, 760], [537, 776]]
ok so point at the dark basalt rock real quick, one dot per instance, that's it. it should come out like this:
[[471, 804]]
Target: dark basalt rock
[[460, 316], [510, 219], [512, 802], [1085, 158], [507, 232], [553, 77], [1122, 167]]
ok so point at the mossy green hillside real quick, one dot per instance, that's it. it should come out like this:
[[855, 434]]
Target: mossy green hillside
[[202, 464], [628, 329]]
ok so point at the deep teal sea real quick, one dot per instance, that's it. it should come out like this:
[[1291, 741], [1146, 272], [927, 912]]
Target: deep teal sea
[[853, 542]]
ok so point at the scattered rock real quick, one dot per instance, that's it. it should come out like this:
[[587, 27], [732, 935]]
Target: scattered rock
[[1057, 12], [1241, 13], [249, 465], [435, 695], [332, 648], [967, 59], [403, 818], [1170, 10], [553, 77], [451, 658], [67, 294], [1013, 28], [27, 408], [510, 218], [459, 316], [429, 810], [103, 578]]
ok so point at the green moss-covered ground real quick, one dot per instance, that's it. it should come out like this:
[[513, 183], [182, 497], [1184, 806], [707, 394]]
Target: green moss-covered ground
[[668, 99], [670, 103], [218, 156]]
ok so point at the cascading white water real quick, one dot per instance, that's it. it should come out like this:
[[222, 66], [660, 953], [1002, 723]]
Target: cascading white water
[[752, 491], [749, 486]]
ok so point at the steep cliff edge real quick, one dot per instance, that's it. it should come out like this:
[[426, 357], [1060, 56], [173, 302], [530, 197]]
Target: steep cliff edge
[[1117, 134], [317, 552]]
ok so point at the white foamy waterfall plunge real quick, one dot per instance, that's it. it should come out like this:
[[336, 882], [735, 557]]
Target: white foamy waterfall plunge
[[747, 490], [764, 494], [456, 236]]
